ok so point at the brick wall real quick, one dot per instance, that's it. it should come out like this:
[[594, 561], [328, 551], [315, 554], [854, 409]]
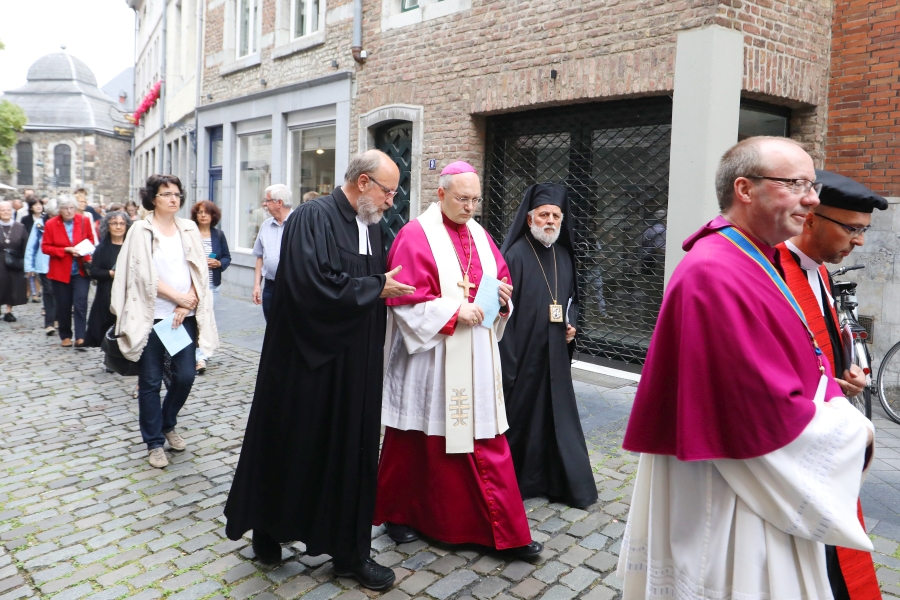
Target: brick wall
[[863, 126], [864, 106], [497, 57]]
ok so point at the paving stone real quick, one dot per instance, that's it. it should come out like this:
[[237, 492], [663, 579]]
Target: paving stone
[[560, 542], [602, 561], [446, 564], [118, 575], [614, 529], [386, 559], [75, 593], [412, 547], [487, 564], [551, 571], [323, 592], [239, 572], [253, 586], [595, 541], [194, 559], [285, 571], [394, 594], [149, 577], [884, 545], [613, 582], [53, 558], [418, 561], [91, 557], [196, 591], [559, 592], [52, 573], [580, 578], [489, 587], [222, 564], [452, 583], [599, 592], [110, 594], [200, 542], [159, 558], [552, 525], [576, 555], [417, 582], [295, 587], [350, 595], [147, 595], [528, 588], [518, 570]]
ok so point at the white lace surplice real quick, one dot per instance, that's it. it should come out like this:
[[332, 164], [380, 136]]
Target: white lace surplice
[[748, 529], [413, 394]]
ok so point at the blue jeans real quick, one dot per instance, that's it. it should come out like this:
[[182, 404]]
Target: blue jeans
[[156, 419], [268, 294]]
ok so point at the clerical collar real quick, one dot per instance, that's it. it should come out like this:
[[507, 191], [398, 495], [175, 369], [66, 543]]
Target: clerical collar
[[806, 263]]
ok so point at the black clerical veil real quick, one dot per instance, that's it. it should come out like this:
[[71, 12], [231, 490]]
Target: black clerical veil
[[540, 194]]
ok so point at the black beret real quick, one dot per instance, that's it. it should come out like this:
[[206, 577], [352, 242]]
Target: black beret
[[842, 192]]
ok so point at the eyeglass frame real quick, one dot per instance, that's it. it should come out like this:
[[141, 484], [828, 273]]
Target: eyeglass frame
[[170, 195], [476, 202], [387, 191], [854, 232], [794, 183]]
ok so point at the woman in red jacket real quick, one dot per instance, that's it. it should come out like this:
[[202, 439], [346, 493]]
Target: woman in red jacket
[[70, 281]]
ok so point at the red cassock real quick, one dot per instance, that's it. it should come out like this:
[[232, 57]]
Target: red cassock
[[455, 498], [856, 565]]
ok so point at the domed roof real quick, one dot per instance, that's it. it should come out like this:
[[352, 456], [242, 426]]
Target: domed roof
[[61, 66], [62, 94]]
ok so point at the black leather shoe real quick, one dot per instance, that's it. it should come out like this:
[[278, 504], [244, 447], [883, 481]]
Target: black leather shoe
[[9, 317], [529, 551], [370, 574], [267, 550], [402, 534]]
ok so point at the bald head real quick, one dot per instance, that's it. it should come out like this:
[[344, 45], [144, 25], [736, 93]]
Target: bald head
[[752, 156]]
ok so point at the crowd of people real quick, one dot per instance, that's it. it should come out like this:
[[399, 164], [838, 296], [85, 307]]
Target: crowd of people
[[751, 457]]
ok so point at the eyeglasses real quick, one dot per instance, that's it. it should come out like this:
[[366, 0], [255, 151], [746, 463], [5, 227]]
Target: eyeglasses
[[854, 232], [266, 201], [387, 191], [465, 201], [170, 195], [800, 187]]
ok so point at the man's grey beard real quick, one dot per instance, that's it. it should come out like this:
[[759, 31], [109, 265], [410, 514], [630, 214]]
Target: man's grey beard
[[547, 239], [367, 211]]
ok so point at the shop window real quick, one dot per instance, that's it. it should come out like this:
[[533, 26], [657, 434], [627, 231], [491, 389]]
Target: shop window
[[254, 176]]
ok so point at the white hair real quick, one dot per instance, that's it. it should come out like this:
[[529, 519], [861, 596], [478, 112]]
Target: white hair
[[279, 191], [6, 202], [66, 200]]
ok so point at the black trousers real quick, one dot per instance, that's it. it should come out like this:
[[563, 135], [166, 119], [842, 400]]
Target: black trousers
[[72, 297], [49, 300]]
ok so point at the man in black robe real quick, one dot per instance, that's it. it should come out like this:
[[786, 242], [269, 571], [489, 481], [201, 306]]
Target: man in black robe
[[545, 436], [309, 463]]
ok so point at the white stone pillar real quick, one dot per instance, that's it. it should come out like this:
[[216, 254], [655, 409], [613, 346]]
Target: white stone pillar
[[709, 66]]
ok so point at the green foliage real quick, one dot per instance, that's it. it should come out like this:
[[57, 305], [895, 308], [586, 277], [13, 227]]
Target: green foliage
[[12, 119]]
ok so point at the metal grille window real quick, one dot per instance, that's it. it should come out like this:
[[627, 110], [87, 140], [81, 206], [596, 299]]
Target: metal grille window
[[614, 159], [24, 163], [395, 140]]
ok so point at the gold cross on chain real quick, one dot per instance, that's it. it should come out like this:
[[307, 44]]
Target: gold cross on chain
[[466, 286]]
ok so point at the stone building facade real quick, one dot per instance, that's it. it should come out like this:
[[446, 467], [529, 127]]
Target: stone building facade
[[75, 135], [863, 125], [589, 94]]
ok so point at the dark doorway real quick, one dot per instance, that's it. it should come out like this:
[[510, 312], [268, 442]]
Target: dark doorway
[[614, 159], [395, 140], [62, 163]]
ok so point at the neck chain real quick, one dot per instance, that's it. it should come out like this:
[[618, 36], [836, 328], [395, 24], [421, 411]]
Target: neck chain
[[469, 266], [554, 294], [7, 231]]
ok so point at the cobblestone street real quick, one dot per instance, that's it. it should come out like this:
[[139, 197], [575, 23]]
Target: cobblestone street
[[82, 514]]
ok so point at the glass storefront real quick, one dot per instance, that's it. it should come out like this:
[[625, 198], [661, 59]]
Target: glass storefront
[[311, 161], [254, 176]]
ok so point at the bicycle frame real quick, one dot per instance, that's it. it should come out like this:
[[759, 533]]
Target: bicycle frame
[[845, 306]]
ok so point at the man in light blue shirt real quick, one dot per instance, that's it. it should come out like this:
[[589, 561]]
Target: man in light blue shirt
[[267, 248]]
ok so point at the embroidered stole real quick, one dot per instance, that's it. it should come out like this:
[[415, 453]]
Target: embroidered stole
[[459, 392], [856, 565]]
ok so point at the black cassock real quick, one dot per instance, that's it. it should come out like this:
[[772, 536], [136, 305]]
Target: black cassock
[[545, 435], [309, 464]]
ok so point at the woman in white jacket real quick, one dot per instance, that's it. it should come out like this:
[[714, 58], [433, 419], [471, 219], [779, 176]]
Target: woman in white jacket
[[162, 272]]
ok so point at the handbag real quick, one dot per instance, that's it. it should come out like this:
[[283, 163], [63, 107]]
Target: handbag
[[112, 355], [12, 261]]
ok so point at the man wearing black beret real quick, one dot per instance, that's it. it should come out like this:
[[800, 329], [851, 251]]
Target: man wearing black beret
[[831, 231]]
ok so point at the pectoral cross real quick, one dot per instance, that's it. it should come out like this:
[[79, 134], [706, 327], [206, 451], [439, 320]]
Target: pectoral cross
[[466, 285]]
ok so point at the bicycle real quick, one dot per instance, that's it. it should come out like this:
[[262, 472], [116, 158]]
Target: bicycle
[[888, 386], [845, 306]]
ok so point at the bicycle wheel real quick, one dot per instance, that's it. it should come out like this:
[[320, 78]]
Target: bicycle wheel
[[889, 383]]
